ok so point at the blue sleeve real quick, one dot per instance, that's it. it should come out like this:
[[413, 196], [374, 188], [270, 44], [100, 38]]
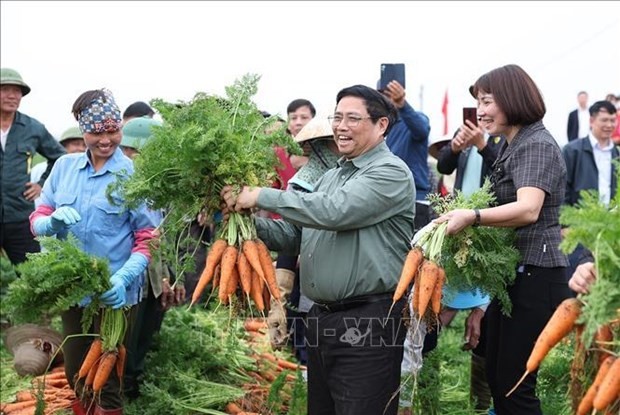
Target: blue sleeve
[[417, 122]]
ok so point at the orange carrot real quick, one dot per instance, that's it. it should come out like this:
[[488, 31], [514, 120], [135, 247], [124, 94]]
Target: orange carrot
[[266, 297], [256, 293], [90, 378], [285, 364], [245, 273], [437, 291], [415, 298], [427, 281], [94, 352], [22, 396], [559, 325], [250, 249], [229, 261], [268, 269], [120, 362], [107, 363], [410, 268], [254, 325], [269, 357], [609, 389], [56, 369], [602, 338], [54, 383], [11, 408], [31, 410], [587, 402], [213, 258], [52, 375], [216, 278], [233, 409], [233, 284]]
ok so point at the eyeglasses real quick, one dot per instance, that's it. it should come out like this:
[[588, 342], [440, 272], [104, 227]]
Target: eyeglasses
[[350, 120]]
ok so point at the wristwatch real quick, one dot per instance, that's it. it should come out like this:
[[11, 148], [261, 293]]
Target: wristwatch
[[477, 221]]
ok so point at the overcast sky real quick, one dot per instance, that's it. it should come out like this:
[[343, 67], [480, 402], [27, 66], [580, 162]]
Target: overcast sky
[[171, 50]]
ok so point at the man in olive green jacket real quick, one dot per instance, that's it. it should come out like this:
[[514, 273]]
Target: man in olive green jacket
[[352, 234], [21, 137]]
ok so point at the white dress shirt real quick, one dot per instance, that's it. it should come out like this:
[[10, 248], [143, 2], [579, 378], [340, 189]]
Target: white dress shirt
[[584, 122], [602, 158]]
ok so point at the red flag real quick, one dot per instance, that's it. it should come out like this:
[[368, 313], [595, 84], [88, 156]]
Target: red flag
[[444, 111]]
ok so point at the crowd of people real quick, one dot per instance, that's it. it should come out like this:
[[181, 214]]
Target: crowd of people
[[341, 218]]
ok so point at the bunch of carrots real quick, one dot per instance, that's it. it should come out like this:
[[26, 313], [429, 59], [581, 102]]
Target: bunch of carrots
[[604, 392], [236, 260], [269, 368], [422, 269], [106, 353], [52, 389]]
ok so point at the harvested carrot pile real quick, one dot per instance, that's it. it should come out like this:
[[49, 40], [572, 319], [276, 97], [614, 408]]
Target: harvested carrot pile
[[50, 391], [275, 380]]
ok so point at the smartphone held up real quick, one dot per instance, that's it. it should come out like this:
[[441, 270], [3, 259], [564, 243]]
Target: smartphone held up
[[391, 72], [471, 114]]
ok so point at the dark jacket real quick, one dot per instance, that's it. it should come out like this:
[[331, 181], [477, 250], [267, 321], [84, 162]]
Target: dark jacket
[[581, 171], [572, 129], [447, 161], [26, 137]]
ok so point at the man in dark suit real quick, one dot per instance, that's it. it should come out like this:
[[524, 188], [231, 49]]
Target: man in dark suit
[[578, 124], [589, 163]]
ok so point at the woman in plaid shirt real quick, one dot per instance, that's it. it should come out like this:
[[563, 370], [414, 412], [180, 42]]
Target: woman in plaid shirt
[[529, 180]]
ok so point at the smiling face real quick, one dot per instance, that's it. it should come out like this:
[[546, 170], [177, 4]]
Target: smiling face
[[102, 145], [10, 98], [603, 124], [358, 137], [492, 118]]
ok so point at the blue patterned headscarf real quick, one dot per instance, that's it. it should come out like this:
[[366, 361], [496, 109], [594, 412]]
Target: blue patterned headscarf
[[102, 115]]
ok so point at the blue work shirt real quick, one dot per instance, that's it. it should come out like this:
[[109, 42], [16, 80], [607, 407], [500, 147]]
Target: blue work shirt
[[408, 139], [106, 230]]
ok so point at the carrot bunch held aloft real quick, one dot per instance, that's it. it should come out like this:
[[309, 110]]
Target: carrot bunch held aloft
[[239, 261]]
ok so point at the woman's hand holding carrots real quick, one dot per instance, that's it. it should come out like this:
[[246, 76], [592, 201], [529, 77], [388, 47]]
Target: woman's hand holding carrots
[[582, 278], [457, 219]]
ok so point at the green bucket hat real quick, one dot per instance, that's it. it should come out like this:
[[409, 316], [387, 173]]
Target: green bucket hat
[[10, 76], [71, 134], [137, 132]]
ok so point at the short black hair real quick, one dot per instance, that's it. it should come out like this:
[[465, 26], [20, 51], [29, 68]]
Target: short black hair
[[602, 105], [377, 104], [138, 109], [298, 103]]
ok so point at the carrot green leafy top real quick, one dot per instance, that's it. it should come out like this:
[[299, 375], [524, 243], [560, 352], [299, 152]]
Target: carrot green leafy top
[[597, 227]]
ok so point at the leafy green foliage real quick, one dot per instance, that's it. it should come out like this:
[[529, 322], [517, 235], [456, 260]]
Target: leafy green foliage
[[597, 227], [204, 144], [481, 257], [7, 276], [218, 357], [56, 279]]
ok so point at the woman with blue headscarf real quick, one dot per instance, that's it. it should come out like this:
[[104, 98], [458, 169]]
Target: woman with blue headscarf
[[74, 201]]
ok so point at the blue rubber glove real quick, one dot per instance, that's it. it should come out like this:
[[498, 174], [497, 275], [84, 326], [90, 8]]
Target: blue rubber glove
[[85, 301], [62, 218], [116, 297]]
